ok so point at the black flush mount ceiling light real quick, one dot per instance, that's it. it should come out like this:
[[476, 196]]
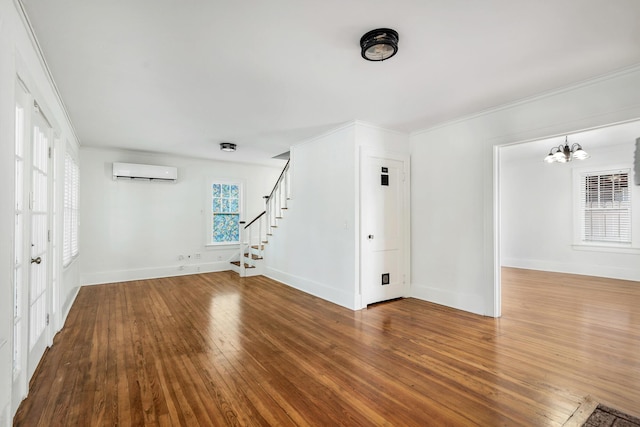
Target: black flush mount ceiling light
[[380, 44], [564, 153], [227, 146]]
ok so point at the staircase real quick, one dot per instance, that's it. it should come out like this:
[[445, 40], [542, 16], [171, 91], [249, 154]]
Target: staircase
[[255, 234]]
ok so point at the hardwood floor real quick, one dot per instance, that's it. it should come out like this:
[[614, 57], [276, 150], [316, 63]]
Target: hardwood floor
[[214, 350]]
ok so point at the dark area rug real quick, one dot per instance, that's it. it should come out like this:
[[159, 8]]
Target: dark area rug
[[603, 416]]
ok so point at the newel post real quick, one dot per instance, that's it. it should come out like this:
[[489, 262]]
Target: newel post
[[243, 272]]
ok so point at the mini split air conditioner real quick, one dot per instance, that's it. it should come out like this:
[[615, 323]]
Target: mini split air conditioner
[[144, 172]]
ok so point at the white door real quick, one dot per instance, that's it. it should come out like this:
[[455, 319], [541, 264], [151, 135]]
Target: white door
[[21, 254], [382, 229], [39, 278], [31, 274]]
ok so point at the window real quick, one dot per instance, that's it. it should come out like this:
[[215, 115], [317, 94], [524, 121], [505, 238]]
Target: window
[[70, 209], [606, 206], [226, 209]]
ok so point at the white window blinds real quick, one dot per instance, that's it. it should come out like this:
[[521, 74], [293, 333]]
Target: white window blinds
[[70, 231], [606, 206]]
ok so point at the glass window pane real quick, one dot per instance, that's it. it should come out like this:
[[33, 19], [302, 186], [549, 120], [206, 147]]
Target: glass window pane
[[234, 191], [234, 206], [226, 228], [216, 190], [225, 205]]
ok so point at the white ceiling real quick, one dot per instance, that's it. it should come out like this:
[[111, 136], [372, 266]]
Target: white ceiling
[[592, 140], [179, 77]]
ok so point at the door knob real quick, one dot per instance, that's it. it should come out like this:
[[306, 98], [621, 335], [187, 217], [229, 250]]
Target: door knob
[[370, 236], [36, 260]]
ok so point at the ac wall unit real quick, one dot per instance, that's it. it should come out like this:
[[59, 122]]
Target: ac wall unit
[[146, 172]]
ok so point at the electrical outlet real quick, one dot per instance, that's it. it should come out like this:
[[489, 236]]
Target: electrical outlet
[[197, 256], [180, 257]]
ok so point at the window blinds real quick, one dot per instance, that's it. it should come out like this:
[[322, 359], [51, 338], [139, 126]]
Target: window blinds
[[70, 207], [606, 206]]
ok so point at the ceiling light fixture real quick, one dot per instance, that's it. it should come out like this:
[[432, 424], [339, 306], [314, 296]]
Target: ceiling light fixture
[[227, 146], [380, 44], [564, 154]]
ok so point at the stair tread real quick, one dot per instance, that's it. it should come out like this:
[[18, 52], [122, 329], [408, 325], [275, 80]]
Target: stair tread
[[253, 256], [238, 264]]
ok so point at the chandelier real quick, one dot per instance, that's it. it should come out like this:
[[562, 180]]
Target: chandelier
[[564, 153]]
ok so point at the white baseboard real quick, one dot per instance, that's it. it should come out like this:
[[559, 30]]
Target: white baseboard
[[67, 309], [319, 290], [583, 269], [152, 273], [465, 302]]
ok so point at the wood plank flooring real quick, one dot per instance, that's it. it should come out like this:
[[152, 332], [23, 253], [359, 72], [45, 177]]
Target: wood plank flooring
[[216, 350]]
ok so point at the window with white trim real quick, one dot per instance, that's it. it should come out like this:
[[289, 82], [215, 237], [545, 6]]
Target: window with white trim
[[70, 210], [605, 203], [226, 206]]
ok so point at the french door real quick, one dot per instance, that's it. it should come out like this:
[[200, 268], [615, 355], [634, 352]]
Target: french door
[[32, 241], [39, 278]]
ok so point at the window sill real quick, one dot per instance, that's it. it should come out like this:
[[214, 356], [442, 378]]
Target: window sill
[[65, 267], [222, 245], [604, 247]]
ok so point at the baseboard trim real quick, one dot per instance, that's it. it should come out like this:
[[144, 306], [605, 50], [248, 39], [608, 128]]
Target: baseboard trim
[[465, 302], [103, 277], [620, 273], [311, 287]]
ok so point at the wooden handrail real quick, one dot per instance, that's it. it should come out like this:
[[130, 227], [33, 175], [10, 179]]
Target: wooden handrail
[[255, 219], [278, 180]]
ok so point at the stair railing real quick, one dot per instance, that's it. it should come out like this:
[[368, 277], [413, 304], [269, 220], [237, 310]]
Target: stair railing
[[261, 227]]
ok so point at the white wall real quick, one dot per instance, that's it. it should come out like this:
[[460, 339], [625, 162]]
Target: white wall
[[538, 209], [315, 247], [139, 229], [18, 56], [454, 195]]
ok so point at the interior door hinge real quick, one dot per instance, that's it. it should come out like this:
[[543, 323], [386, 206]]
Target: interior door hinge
[[47, 319], [49, 152], [49, 236]]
